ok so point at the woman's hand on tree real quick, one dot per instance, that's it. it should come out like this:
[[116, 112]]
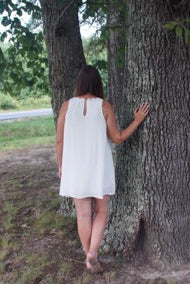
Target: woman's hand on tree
[[141, 112]]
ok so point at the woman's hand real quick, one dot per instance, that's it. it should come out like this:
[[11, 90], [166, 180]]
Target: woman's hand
[[60, 172], [141, 112]]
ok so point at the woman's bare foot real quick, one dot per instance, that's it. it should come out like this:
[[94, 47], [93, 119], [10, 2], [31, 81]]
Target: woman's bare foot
[[88, 265], [93, 264]]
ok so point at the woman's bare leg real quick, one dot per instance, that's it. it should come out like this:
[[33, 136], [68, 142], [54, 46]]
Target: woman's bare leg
[[84, 221], [98, 226]]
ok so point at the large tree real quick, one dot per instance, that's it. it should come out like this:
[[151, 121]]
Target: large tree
[[116, 45], [150, 213], [64, 47]]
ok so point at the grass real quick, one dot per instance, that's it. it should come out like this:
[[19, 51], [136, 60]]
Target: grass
[[37, 243], [33, 264], [45, 222], [27, 132], [8, 103], [36, 263]]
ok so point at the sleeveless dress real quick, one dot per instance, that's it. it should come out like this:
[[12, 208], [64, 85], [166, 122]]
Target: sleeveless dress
[[87, 162]]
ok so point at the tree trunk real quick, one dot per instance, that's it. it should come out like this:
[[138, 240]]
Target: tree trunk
[[64, 47], [116, 54], [150, 213], [65, 57]]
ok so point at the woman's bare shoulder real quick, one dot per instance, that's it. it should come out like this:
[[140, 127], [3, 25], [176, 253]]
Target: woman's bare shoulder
[[64, 107], [107, 104], [107, 108]]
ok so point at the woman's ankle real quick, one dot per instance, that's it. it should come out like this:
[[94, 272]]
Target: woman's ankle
[[92, 254]]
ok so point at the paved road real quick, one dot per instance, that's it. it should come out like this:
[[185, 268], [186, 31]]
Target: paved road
[[26, 113]]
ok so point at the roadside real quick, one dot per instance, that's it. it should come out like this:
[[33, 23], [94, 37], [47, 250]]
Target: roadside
[[8, 103], [26, 113]]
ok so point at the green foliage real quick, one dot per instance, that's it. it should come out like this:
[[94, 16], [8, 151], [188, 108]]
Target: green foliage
[[23, 103], [187, 35], [23, 59], [180, 27], [22, 53], [170, 25], [34, 102], [96, 55], [95, 11], [95, 49], [7, 102]]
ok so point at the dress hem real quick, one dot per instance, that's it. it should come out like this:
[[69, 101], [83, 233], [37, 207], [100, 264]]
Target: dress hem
[[86, 196]]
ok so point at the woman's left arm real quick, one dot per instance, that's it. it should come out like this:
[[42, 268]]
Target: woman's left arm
[[60, 135]]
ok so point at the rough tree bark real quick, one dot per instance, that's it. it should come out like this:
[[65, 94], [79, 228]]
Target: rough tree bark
[[64, 48], [116, 45], [150, 213]]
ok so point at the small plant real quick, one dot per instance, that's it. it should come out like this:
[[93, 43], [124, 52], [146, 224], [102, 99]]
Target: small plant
[[180, 27]]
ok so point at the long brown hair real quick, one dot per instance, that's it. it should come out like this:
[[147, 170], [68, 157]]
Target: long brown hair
[[89, 81]]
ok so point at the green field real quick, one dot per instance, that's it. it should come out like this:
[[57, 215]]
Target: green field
[[26, 133]]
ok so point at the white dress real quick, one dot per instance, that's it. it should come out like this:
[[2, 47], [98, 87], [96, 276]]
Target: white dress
[[87, 162]]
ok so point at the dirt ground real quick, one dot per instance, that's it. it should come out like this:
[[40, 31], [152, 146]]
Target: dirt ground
[[37, 245]]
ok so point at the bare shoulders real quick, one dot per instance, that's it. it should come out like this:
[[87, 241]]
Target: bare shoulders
[[64, 107], [106, 104], [107, 108]]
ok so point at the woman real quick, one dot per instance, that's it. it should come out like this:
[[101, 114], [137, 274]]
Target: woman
[[85, 128]]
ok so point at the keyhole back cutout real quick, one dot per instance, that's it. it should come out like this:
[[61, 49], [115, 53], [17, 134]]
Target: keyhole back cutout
[[85, 107]]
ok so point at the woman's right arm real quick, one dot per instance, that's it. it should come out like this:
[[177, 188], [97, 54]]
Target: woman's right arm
[[59, 135], [116, 135]]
